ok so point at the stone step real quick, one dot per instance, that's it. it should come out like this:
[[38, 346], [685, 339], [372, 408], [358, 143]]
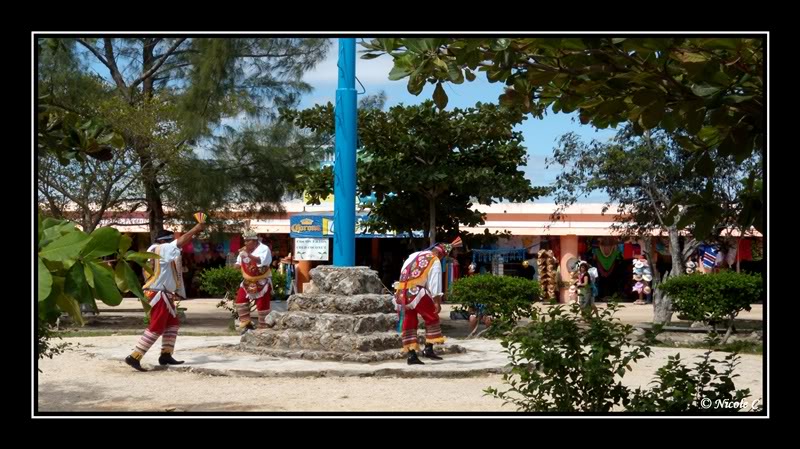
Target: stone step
[[332, 322], [352, 305], [323, 341], [355, 356], [345, 280]]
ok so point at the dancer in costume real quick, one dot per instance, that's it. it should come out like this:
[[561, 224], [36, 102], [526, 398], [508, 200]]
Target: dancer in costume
[[254, 260], [163, 288], [419, 292]]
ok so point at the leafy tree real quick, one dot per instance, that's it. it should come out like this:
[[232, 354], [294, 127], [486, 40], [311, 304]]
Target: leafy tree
[[164, 94], [73, 269], [645, 178], [710, 90], [425, 167]]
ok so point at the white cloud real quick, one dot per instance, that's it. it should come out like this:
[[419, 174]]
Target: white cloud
[[373, 71]]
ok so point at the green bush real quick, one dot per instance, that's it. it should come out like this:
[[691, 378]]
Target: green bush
[[225, 282], [278, 285], [506, 299], [75, 269], [574, 362], [713, 298], [221, 281], [679, 389], [562, 364]]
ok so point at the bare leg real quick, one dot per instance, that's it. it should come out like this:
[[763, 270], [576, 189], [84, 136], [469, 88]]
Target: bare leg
[[473, 325]]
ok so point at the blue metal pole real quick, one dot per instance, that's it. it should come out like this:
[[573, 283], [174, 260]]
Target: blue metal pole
[[344, 169]]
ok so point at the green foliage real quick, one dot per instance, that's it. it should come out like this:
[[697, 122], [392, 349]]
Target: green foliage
[[222, 281], [679, 389], [561, 363], [507, 299], [44, 344], [251, 170], [709, 89], [278, 286], [417, 160], [713, 297], [650, 182], [165, 95], [71, 271], [574, 362], [69, 136], [225, 282]]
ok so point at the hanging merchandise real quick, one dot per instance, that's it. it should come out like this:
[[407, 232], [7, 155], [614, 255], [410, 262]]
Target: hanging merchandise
[[548, 272], [226, 245], [607, 260], [662, 248], [627, 251], [573, 288], [509, 254], [603, 272], [289, 275], [730, 256], [642, 278], [236, 244], [710, 257], [449, 265], [746, 250]]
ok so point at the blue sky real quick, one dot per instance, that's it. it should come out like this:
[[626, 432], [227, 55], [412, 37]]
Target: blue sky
[[540, 135]]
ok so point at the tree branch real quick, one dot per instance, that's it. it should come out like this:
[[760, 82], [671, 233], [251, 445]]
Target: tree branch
[[95, 52], [272, 55], [169, 68], [157, 65], [66, 194], [112, 65]]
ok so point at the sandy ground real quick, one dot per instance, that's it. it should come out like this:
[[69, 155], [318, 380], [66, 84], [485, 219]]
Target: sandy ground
[[80, 381], [77, 381]]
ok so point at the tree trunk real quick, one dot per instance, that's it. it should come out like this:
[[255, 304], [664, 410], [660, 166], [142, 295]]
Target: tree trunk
[[152, 192], [87, 221], [730, 329], [662, 304], [152, 188], [432, 223], [675, 251], [738, 256], [147, 64]]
